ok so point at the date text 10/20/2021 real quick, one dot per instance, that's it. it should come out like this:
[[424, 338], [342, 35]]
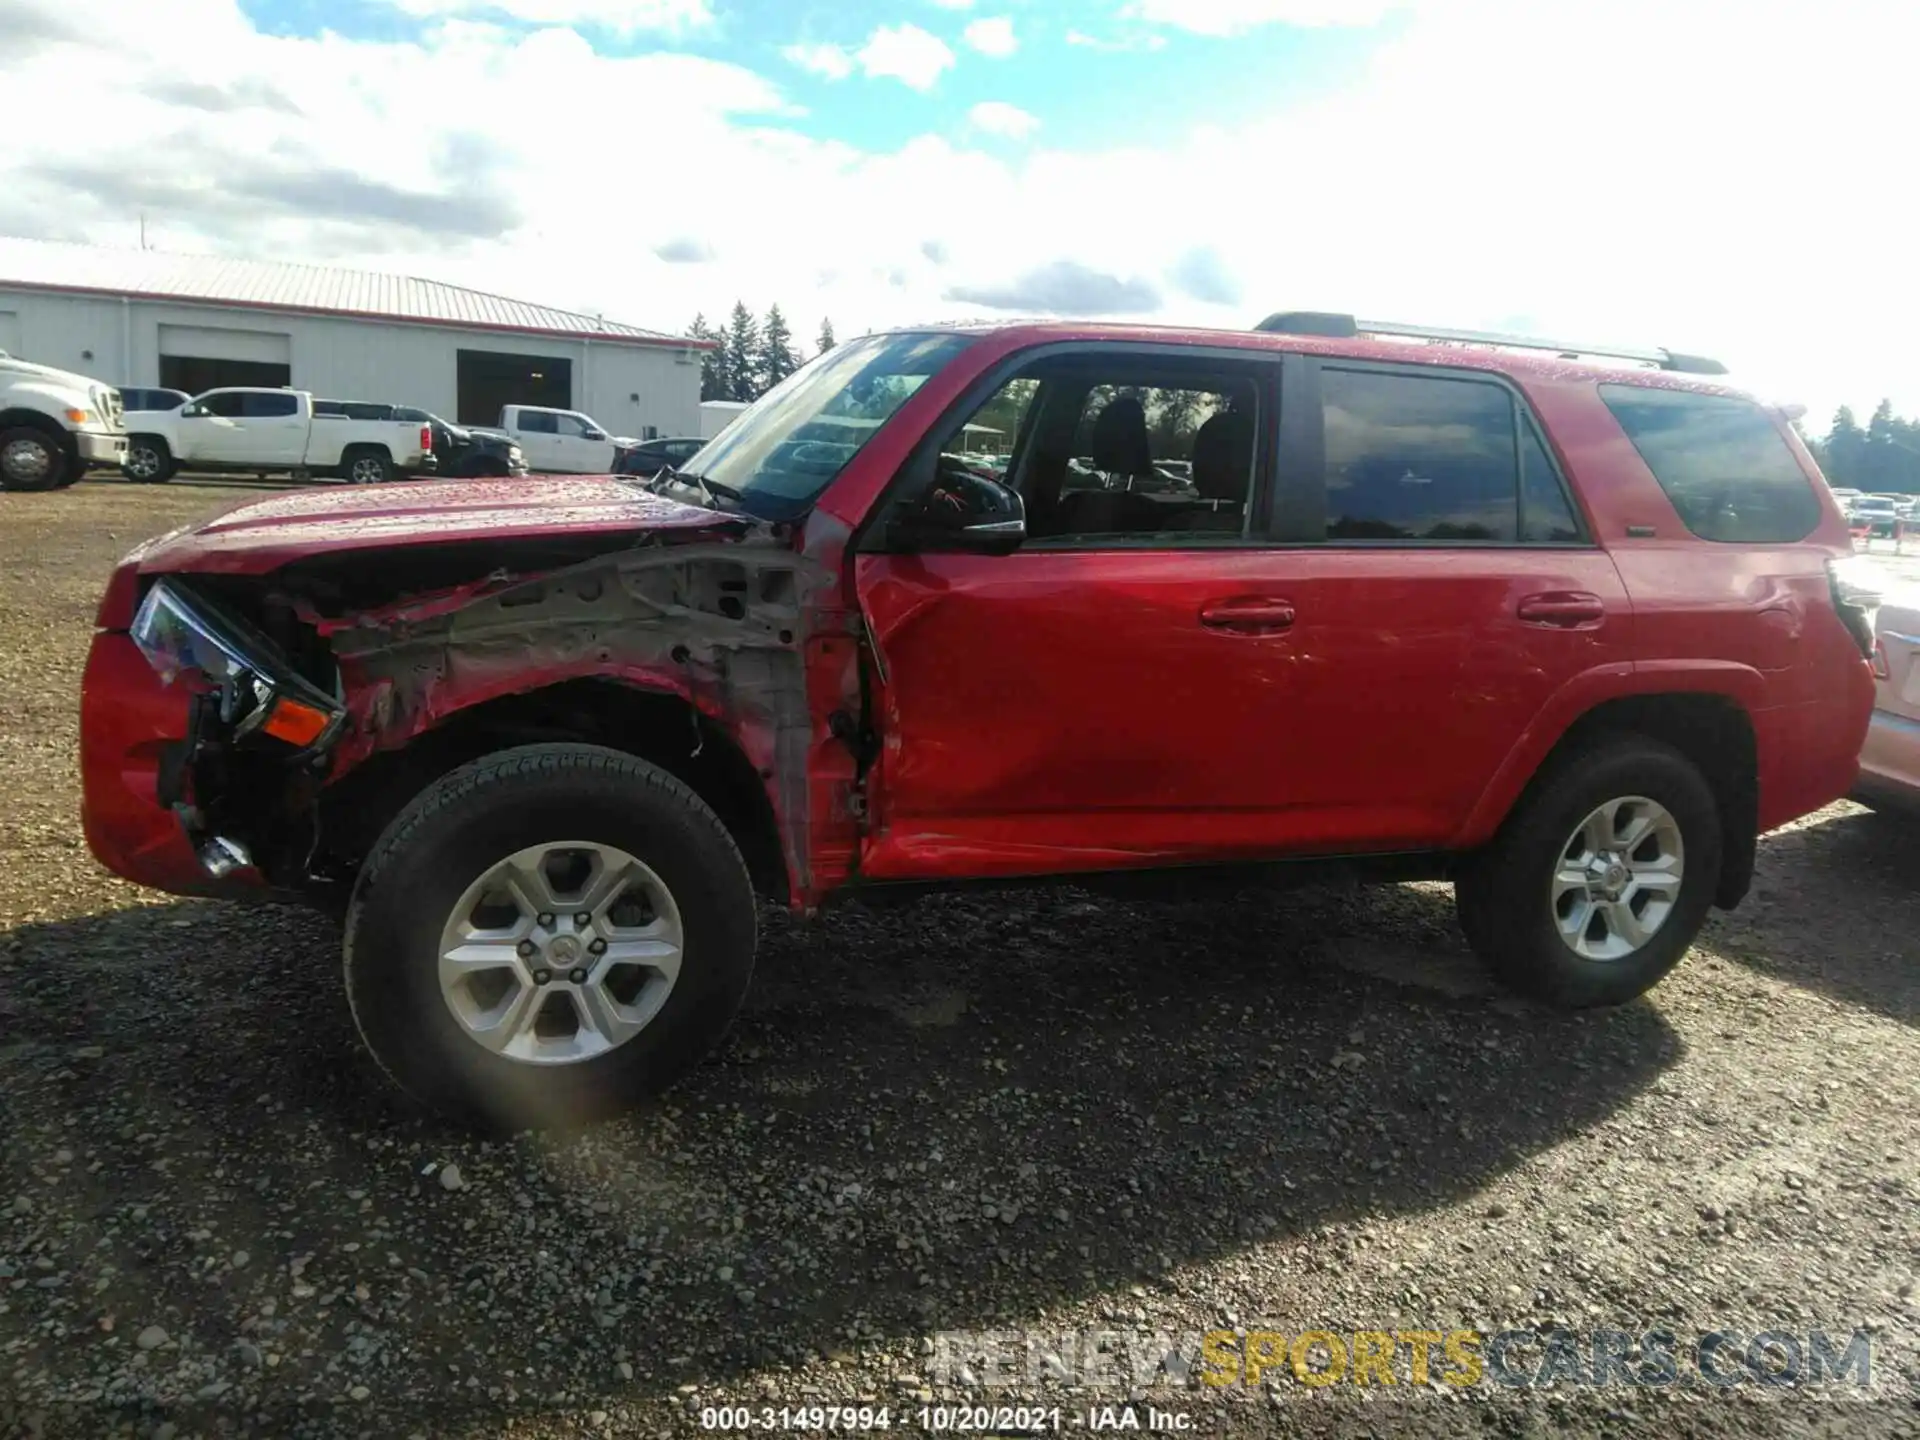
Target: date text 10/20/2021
[[944, 1419]]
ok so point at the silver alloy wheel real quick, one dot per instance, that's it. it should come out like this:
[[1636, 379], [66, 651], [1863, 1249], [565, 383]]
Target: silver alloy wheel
[[143, 462], [1618, 878], [28, 459], [367, 471], [560, 953]]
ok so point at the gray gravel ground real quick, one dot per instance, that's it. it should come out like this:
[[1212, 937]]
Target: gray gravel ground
[[1018, 1111]]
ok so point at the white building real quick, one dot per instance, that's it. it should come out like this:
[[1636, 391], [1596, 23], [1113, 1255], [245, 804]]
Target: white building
[[138, 317]]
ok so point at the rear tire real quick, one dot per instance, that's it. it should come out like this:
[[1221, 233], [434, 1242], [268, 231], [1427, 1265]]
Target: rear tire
[[32, 459], [368, 467], [149, 461], [469, 1029], [1577, 924]]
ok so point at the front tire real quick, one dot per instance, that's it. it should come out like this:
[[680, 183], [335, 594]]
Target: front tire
[[1600, 879], [547, 936], [148, 462], [31, 459]]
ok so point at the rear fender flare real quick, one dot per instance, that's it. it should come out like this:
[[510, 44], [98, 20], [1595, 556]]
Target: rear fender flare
[[1579, 697]]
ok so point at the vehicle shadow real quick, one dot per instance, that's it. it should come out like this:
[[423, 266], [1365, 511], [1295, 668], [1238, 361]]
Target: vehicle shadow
[[1836, 908], [946, 1115]]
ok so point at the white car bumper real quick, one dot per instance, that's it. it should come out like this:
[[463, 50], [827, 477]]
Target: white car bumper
[[100, 448], [1890, 761]]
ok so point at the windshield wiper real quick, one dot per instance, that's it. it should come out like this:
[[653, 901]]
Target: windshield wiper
[[711, 491]]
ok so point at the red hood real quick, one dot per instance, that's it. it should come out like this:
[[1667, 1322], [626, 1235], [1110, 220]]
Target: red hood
[[263, 535]]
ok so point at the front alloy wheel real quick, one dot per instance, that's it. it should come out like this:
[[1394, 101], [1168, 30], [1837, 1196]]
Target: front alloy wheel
[[548, 935], [560, 953]]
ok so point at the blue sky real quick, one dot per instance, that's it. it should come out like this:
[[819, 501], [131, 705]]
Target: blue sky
[[1092, 75], [1650, 172]]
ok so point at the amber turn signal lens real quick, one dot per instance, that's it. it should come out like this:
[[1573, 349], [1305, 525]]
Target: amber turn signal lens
[[297, 724]]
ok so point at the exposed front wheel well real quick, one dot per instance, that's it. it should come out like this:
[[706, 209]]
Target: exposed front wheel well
[[1715, 734], [660, 728]]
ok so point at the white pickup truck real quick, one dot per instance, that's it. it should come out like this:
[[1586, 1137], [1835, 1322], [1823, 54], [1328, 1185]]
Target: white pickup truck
[[561, 442], [54, 426], [265, 432]]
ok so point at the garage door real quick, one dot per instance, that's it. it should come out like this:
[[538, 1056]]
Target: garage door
[[260, 346], [195, 358], [10, 334]]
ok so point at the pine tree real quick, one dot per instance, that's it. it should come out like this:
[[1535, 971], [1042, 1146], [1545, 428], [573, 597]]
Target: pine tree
[[742, 344], [826, 341], [714, 383], [777, 357], [1846, 451]]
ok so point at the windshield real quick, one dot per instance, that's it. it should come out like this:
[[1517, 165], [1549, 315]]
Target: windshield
[[781, 453]]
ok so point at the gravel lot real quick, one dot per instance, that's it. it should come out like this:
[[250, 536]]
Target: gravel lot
[[1019, 1111]]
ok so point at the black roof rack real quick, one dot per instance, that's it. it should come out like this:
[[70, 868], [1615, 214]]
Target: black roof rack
[[1346, 327]]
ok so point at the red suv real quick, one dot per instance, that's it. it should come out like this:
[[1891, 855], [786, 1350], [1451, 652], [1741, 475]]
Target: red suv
[[1568, 627]]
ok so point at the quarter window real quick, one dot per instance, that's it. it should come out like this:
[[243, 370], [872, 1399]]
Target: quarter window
[[1722, 462]]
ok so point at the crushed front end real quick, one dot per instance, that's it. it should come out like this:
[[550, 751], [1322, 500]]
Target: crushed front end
[[203, 743]]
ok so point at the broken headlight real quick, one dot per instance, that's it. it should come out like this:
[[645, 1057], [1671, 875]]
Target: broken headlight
[[254, 691]]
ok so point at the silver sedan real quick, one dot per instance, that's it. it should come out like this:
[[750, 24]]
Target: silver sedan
[[1890, 759]]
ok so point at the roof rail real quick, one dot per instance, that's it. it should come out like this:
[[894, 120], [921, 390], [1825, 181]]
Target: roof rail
[[1346, 327]]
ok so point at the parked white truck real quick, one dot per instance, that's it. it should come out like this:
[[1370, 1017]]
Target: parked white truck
[[54, 426], [561, 442], [265, 432]]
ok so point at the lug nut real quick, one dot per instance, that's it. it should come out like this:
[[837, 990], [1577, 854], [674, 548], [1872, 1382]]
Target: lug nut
[[598, 947], [527, 947], [578, 977], [582, 920], [543, 977], [547, 921]]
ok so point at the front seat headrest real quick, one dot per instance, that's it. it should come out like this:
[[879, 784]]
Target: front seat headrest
[[1120, 445]]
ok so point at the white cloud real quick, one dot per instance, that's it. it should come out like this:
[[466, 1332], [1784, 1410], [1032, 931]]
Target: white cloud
[[996, 117], [834, 62], [1139, 40], [1651, 186], [1233, 17], [993, 37], [905, 53], [627, 16], [897, 52]]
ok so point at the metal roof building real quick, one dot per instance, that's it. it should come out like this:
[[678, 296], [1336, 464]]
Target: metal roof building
[[145, 318]]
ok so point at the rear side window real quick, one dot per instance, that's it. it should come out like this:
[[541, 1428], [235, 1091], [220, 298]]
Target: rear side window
[[1412, 458], [1722, 462], [269, 407], [535, 423]]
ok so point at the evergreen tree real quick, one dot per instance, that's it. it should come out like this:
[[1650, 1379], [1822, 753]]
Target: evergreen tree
[[826, 341], [714, 382], [1846, 450], [777, 357], [742, 345]]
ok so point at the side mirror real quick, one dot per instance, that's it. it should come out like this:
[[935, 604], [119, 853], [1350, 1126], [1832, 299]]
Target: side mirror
[[967, 514], [596, 434], [193, 411]]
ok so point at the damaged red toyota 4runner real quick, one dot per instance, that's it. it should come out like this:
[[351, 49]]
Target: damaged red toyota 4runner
[[1569, 627]]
